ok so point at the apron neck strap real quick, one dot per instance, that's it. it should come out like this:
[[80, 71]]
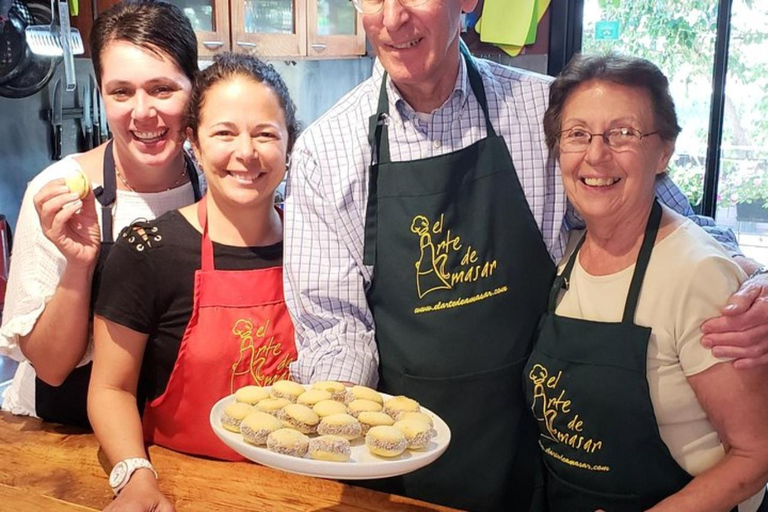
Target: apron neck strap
[[193, 177], [206, 246], [107, 193], [476, 82], [378, 135], [561, 281], [651, 230]]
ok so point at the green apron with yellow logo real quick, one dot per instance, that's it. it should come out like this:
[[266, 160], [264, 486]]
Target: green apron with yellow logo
[[460, 279], [586, 385]]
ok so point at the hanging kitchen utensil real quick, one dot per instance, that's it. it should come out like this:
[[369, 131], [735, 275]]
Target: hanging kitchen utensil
[[66, 46], [57, 118], [15, 56], [103, 127], [87, 120], [41, 69], [95, 107], [47, 39]]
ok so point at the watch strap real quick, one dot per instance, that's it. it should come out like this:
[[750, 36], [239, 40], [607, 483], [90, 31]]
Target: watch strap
[[759, 271], [131, 465]]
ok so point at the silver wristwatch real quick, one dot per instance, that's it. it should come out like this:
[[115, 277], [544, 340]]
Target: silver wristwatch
[[759, 271], [123, 471]]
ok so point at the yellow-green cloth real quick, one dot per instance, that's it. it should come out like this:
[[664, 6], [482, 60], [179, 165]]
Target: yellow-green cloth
[[507, 22], [514, 50]]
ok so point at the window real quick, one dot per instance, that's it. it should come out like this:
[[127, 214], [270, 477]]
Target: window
[[714, 54]]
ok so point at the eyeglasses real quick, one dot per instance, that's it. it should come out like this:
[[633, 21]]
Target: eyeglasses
[[577, 140], [374, 6]]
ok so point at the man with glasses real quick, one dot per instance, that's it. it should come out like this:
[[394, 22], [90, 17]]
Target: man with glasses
[[423, 219]]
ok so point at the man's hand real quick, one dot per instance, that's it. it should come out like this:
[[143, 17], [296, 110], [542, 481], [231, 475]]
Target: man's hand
[[742, 330]]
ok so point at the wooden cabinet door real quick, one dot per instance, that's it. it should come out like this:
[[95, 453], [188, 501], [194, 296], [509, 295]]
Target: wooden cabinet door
[[269, 28], [334, 29], [210, 19]]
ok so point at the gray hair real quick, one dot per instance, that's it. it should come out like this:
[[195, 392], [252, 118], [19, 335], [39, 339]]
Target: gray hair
[[618, 69]]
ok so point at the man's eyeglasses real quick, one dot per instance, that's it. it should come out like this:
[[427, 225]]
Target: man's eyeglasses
[[577, 140], [375, 6]]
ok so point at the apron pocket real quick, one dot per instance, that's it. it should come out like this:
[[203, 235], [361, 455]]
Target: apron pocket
[[564, 496], [492, 455]]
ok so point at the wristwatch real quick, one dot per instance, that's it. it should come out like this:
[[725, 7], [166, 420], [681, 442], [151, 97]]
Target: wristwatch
[[123, 471], [759, 271]]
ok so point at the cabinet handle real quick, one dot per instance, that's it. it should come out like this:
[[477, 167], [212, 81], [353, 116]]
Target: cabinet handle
[[246, 44], [213, 44], [317, 46]]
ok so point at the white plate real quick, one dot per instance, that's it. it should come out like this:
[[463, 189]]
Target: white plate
[[361, 466]]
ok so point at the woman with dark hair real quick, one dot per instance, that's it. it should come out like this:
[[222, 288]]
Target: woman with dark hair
[[634, 413], [145, 59], [190, 306]]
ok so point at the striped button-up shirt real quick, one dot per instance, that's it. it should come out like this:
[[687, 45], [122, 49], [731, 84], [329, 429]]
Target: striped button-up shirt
[[325, 278]]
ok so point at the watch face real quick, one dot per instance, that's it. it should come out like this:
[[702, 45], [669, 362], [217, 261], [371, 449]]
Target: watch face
[[118, 474]]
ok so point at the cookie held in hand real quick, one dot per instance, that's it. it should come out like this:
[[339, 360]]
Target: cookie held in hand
[[78, 183]]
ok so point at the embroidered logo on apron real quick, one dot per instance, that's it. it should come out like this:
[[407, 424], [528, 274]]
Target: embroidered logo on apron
[[254, 354], [431, 273], [547, 405]]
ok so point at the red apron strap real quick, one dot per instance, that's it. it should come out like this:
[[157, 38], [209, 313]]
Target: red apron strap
[[206, 248]]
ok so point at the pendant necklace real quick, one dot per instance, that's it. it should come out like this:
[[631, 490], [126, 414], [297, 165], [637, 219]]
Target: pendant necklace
[[178, 180]]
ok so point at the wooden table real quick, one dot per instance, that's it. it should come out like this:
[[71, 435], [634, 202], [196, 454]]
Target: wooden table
[[55, 468]]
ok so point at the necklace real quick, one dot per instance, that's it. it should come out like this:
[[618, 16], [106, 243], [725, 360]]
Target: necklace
[[178, 180]]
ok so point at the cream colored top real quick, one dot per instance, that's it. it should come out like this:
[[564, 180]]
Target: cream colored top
[[689, 279]]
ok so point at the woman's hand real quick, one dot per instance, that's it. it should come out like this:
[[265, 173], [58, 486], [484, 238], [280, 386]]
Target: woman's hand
[[68, 222], [141, 494]]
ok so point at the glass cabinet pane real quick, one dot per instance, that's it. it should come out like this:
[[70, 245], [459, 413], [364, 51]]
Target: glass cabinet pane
[[336, 18], [199, 12], [269, 17]]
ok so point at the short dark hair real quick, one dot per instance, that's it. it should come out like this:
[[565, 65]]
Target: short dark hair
[[155, 25], [619, 69], [228, 65]]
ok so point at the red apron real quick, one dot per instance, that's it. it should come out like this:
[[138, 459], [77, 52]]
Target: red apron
[[239, 334]]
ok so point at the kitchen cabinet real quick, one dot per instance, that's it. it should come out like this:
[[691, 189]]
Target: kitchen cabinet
[[210, 19], [282, 29], [334, 29], [269, 27], [296, 28]]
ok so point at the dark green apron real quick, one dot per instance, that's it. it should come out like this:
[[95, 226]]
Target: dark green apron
[[460, 279], [586, 385]]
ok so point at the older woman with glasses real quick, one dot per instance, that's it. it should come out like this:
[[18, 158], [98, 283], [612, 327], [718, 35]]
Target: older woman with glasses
[[633, 413]]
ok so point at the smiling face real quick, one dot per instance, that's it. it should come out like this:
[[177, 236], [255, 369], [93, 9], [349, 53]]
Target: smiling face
[[418, 46], [145, 95], [241, 142], [601, 183]]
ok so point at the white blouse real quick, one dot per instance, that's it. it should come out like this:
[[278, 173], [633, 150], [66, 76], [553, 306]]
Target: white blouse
[[37, 267]]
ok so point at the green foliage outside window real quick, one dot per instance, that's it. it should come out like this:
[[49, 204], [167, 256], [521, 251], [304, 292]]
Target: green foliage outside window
[[679, 36]]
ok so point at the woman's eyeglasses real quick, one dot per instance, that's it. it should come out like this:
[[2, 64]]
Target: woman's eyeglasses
[[577, 140]]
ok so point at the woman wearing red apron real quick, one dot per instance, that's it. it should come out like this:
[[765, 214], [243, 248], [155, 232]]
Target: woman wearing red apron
[[190, 306]]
